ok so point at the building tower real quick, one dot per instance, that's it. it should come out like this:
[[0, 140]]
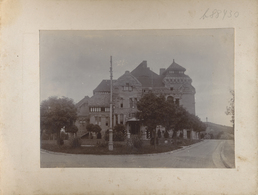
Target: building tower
[[180, 86]]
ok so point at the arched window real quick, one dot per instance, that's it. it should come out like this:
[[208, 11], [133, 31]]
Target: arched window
[[170, 98]]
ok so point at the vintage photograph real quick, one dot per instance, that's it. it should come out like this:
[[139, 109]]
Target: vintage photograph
[[137, 98]]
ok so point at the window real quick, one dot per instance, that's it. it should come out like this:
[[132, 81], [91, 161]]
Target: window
[[177, 101], [171, 88], [121, 118], [135, 103], [121, 103], [106, 121], [96, 120], [171, 71], [126, 87], [170, 98], [131, 102], [116, 119], [99, 121]]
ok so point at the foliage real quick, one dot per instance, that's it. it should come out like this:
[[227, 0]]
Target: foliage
[[63, 135], [159, 133], [93, 128], [99, 135], [56, 113], [119, 128], [119, 133], [137, 142], [152, 141], [118, 136], [75, 142], [102, 144], [90, 127], [230, 110], [152, 111], [71, 129], [166, 135], [155, 110]]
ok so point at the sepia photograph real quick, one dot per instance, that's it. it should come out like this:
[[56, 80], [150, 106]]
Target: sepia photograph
[[128, 97], [137, 98]]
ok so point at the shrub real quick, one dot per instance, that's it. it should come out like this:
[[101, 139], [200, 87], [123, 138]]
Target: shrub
[[166, 135], [159, 133], [75, 143], [106, 136], [99, 135], [101, 144], [137, 142], [129, 143], [63, 135], [152, 141], [61, 142], [118, 136]]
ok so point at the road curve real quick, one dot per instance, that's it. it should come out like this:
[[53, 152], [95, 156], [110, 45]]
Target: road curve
[[205, 154]]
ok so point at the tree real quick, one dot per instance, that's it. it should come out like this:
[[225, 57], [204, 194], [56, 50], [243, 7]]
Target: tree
[[56, 113], [181, 121], [230, 110], [93, 128], [72, 129], [151, 112]]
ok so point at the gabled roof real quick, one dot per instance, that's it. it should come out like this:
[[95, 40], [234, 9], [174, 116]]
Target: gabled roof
[[174, 66], [104, 86], [99, 100], [127, 77], [81, 102], [146, 77]]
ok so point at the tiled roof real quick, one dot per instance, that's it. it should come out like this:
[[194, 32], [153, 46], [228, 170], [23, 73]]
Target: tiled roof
[[146, 77], [174, 66], [99, 100], [104, 86], [85, 99], [127, 77]]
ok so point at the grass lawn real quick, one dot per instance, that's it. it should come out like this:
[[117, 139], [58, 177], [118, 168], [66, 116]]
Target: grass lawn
[[90, 146]]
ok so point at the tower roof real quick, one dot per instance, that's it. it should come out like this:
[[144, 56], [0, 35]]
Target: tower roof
[[175, 66]]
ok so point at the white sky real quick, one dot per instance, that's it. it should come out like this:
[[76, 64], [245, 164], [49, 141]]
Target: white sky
[[73, 63]]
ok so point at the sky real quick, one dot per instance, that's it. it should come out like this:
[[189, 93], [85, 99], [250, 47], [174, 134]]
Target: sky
[[73, 63]]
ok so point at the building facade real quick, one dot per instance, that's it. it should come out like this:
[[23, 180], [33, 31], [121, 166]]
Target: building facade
[[172, 82]]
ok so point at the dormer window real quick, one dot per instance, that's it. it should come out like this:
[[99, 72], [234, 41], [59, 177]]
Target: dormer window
[[127, 87]]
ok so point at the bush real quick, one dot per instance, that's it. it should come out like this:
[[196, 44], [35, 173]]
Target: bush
[[102, 144], [137, 142], [166, 135], [63, 135], [99, 135], [61, 142], [159, 133], [117, 136], [75, 143], [152, 141]]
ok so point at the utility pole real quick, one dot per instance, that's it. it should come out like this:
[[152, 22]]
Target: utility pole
[[110, 142]]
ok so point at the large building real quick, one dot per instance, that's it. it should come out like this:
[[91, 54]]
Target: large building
[[172, 82]]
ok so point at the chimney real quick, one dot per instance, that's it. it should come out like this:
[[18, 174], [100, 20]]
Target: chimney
[[161, 71], [144, 64]]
